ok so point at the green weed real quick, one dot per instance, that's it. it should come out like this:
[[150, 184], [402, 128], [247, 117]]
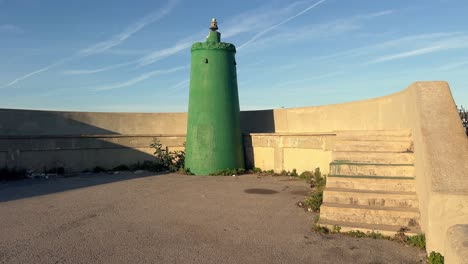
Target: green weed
[[435, 258]]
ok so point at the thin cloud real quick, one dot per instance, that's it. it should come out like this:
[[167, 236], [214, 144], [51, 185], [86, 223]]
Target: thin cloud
[[129, 31], [36, 72], [181, 84], [438, 45], [261, 33], [404, 42], [256, 19], [407, 54], [453, 66], [249, 21], [138, 79], [105, 45], [93, 71], [321, 31], [163, 53], [28, 75]]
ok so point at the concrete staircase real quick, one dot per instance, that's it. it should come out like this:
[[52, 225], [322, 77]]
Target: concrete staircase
[[371, 183]]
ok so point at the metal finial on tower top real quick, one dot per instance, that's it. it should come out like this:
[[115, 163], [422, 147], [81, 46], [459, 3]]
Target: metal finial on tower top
[[214, 24]]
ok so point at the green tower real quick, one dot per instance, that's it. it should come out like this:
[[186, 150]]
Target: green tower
[[214, 138]]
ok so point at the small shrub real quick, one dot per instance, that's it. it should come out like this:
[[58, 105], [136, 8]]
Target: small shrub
[[98, 169], [320, 181], [186, 171], [306, 175], [229, 172], [356, 233], [122, 167], [360, 234], [294, 173], [400, 236], [256, 170], [377, 235], [320, 229], [314, 200], [336, 229], [168, 160], [284, 173], [417, 241], [269, 172], [435, 258]]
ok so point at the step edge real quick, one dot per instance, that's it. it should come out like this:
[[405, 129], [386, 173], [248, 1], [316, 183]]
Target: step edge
[[334, 189], [372, 177], [339, 162], [375, 227], [368, 207]]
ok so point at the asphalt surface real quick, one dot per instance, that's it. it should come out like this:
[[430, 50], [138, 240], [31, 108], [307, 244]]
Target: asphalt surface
[[128, 218]]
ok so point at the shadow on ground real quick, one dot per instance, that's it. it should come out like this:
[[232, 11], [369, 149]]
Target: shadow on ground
[[13, 190]]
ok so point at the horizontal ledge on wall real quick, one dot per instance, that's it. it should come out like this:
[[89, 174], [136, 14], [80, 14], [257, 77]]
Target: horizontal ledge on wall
[[88, 136], [293, 134]]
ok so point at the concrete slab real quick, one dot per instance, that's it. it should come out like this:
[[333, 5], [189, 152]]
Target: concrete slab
[[101, 218]]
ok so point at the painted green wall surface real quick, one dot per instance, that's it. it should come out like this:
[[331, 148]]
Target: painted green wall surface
[[214, 139]]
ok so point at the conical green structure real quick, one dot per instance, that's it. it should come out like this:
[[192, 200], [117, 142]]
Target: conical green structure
[[214, 138]]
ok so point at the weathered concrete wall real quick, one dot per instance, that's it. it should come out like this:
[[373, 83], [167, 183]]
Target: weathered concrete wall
[[77, 153], [277, 139], [288, 151], [441, 147], [30, 122]]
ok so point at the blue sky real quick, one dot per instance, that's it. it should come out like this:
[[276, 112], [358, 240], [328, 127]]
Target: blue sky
[[134, 56]]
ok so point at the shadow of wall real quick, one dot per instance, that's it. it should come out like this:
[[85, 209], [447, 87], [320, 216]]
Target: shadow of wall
[[41, 140], [262, 121]]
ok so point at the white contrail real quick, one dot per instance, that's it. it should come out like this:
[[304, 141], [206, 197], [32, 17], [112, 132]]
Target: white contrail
[[129, 31], [279, 24], [36, 72], [163, 53], [140, 78], [105, 45], [92, 71], [181, 84]]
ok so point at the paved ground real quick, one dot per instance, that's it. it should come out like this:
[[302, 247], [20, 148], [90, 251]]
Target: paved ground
[[172, 219]]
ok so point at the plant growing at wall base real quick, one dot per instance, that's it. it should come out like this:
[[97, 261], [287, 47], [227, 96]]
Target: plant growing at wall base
[[308, 176], [169, 160], [229, 172], [464, 118], [417, 241], [435, 258], [315, 199]]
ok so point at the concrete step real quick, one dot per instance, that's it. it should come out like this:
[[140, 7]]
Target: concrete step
[[391, 135], [374, 145], [347, 168], [386, 230], [370, 214], [373, 157], [364, 133], [371, 198], [371, 183]]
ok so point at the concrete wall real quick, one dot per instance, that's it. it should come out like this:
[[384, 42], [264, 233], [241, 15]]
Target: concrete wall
[[288, 151], [277, 139]]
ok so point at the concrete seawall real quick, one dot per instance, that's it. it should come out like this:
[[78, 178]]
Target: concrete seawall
[[300, 138]]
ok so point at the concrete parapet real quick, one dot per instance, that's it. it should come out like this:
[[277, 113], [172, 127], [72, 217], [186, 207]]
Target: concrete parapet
[[301, 138]]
